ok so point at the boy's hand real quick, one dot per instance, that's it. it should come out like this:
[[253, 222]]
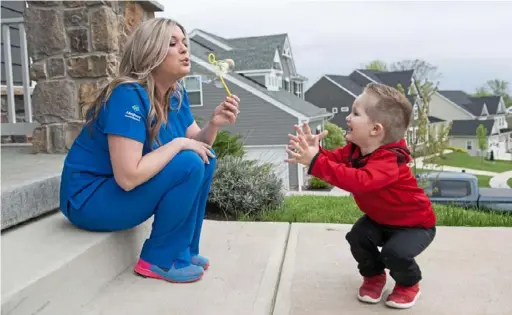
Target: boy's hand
[[303, 147], [311, 139]]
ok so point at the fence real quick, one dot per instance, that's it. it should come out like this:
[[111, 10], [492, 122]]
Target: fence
[[12, 127]]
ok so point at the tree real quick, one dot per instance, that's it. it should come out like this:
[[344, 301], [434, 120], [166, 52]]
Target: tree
[[496, 87], [377, 65], [481, 135]]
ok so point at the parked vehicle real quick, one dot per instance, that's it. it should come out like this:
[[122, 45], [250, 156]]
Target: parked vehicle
[[461, 189]]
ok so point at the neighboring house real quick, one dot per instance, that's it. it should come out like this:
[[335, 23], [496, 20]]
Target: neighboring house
[[467, 112], [270, 91], [336, 93]]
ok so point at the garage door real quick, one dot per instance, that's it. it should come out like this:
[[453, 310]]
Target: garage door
[[274, 155]]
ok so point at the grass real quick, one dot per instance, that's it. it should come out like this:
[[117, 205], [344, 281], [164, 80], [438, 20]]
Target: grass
[[323, 209], [464, 160], [483, 180], [509, 182]]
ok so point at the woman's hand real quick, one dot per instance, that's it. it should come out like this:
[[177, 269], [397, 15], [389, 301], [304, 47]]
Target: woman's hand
[[199, 147], [227, 112]]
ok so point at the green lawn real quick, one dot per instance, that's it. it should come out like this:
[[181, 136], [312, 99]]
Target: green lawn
[[483, 180], [464, 160], [509, 182], [344, 210]]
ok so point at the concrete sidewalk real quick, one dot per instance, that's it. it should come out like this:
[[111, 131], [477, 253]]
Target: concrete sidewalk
[[466, 271], [500, 180]]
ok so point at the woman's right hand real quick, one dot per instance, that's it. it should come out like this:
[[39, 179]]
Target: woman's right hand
[[199, 147]]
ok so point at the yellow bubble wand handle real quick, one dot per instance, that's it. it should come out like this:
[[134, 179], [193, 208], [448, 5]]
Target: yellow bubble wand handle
[[213, 61]]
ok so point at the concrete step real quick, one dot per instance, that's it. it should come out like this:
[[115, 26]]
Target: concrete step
[[50, 267], [30, 184]]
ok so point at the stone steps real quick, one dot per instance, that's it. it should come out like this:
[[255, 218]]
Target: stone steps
[[50, 267]]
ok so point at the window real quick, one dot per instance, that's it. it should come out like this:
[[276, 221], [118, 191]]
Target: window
[[194, 88], [287, 84], [344, 109], [469, 145], [335, 110], [449, 189], [416, 112]]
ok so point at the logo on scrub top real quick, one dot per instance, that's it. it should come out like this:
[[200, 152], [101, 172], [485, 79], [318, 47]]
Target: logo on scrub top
[[135, 108]]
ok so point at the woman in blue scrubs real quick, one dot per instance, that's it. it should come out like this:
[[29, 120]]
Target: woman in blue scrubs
[[141, 154]]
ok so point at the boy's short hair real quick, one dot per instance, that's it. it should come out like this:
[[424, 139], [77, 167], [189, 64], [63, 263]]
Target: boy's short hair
[[393, 110]]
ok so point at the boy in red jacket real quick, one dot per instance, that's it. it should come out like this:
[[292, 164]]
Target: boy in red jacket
[[373, 167]]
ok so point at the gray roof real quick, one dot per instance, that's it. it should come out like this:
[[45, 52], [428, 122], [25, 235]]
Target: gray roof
[[285, 97], [433, 119], [249, 53], [346, 83], [473, 104], [468, 127]]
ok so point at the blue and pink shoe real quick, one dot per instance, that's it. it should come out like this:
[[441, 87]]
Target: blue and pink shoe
[[201, 261], [188, 274]]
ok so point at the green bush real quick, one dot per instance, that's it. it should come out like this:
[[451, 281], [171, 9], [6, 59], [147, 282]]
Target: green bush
[[335, 138], [227, 144], [455, 149], [319, 184], [244, 187]]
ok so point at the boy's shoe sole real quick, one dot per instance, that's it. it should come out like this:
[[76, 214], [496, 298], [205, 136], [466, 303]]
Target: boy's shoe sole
[[367, 299], [142, 268], [403, 305]]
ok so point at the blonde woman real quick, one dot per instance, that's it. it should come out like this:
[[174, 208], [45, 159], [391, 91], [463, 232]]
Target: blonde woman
[[141, 153]]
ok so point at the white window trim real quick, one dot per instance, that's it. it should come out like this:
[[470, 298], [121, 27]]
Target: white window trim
[[468, 144], [335, 110], [344, 109], [192, 90]]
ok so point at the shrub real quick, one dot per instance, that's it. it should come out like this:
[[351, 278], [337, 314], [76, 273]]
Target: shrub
[[319, 184], [227, 144], [244, 187], [455, 149], [335, 138]]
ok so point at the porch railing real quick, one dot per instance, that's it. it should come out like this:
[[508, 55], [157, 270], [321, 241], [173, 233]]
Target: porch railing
[[12, 127]]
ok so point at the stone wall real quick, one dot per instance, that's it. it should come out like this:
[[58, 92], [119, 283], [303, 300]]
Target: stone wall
[[75, 47]]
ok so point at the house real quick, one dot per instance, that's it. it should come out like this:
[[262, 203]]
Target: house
[[336, 93], [467, 112], [270, 89]]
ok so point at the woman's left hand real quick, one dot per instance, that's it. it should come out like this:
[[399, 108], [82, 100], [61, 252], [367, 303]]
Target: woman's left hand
[[227, 112]]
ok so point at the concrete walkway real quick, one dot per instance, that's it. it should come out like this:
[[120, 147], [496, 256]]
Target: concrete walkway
[[318, 276], [500, 180]]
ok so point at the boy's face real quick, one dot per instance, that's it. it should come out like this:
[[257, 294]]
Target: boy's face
[[362, 130]]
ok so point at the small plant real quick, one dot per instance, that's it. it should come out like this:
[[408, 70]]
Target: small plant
[[227, 144], [244, 187], [335, 138], [456, 149]]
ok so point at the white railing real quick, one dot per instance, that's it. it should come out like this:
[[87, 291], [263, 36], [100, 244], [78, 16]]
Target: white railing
[[12, 127]]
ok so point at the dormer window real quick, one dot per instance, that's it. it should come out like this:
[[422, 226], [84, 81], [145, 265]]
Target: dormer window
[[286, 52]]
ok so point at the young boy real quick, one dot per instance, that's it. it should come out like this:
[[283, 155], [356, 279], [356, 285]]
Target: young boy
[[373, 167]]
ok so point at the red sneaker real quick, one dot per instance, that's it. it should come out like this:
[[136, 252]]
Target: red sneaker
[[403, 297], [372, 288]]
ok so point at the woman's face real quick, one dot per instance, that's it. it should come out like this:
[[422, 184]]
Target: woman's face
[[177, 63]]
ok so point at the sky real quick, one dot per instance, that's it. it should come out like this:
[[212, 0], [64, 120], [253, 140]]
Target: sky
[[469, 41]]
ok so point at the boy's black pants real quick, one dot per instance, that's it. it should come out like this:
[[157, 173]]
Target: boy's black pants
[[400, 245]]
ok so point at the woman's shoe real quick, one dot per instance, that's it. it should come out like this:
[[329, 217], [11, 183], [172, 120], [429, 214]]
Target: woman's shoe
[[188, 274], [201, 261]]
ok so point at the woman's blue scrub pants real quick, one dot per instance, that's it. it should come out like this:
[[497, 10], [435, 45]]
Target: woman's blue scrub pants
[[176, 197]]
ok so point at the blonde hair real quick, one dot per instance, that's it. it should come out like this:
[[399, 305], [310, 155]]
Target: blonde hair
[[145, 50], [392, 109]]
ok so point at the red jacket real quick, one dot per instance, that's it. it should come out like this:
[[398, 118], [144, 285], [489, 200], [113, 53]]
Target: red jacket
[[382, 183]]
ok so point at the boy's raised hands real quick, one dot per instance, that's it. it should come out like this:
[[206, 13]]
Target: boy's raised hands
[[304, 146]]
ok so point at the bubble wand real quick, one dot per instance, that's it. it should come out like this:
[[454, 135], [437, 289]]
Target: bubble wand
[[223, 66]]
